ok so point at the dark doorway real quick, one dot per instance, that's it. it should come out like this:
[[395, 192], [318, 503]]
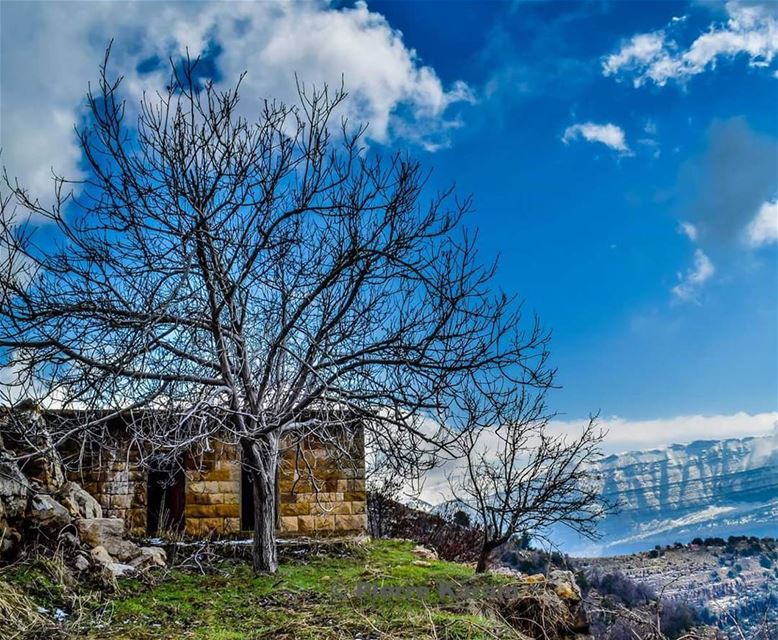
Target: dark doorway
[[246, 500], [165, 499]]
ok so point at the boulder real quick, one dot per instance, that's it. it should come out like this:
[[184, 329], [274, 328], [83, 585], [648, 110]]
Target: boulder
[[9, 539], [565, 586], [79, 502], [121, 570], [551, 602], [94, 530], [47, 513], [102, 558], [108, 533], [150, 557], [45, 471]]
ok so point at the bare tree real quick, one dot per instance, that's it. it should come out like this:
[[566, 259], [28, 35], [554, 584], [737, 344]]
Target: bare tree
[[516, 477], [248, 279]]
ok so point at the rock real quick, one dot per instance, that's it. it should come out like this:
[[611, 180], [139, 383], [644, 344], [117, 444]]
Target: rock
[[14, 496], [46, 470], [80, 503], [421, 563], [425, 553], [535, 578], [120, 570], [9, 539], [150, 557], [564, 584], [81, 563], [47, 513], [108, 533], [14, 491], [102, 558], [68, 539]]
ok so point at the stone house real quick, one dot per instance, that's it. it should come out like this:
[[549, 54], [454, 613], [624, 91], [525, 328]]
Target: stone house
[[321, 492]]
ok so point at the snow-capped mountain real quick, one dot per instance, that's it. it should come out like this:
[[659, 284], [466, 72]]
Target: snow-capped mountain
[[417, 503], [706, 488]]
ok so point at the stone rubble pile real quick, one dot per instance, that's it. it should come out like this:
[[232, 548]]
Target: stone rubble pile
[[38, 505]]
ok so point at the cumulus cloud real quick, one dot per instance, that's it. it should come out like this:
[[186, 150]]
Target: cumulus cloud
[[690, 282], [750, 30], [50, 51], [608, 134], [763, 229]]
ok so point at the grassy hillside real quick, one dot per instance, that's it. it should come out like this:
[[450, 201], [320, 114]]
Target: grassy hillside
[[323, 593], [314, 598]]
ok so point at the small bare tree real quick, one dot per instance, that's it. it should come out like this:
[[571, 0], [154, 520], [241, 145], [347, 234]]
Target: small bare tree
[[246, 280], [516, 477]]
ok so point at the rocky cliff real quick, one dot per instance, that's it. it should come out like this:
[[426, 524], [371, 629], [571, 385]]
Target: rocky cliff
[[706, 488]]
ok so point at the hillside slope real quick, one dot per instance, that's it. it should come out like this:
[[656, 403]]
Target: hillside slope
[[381, 589]]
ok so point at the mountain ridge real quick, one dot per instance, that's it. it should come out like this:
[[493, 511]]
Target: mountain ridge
[[705, 487], [678, 492]]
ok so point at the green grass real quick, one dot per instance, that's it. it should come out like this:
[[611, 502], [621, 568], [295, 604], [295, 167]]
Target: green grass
[[312, 599]]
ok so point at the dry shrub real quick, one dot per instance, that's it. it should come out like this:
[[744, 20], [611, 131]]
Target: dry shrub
[[538, 612], [389, 518], [46, 599], [19, 616]]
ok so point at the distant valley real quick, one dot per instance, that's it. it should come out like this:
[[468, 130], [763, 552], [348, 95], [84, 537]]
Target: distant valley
[[732, 584]]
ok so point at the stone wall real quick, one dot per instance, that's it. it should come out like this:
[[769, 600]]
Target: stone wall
[[321, 492], [118, 485], [213, 493]]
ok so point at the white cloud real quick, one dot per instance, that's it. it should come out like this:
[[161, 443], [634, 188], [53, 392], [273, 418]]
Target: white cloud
[[689, 230], [689, 283], [608, 134], [50, 51], [763, 229], [636, 435], [750, 30], [641, 50]]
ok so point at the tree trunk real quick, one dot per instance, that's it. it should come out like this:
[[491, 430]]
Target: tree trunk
[[264, 469], [483, 558]]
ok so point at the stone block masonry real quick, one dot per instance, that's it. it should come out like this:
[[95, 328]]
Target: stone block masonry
[[213, 493], [321, 491], [119, 485]]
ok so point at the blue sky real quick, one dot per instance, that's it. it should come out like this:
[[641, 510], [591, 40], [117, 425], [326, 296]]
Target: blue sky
[[588, 235], [623, 158]]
